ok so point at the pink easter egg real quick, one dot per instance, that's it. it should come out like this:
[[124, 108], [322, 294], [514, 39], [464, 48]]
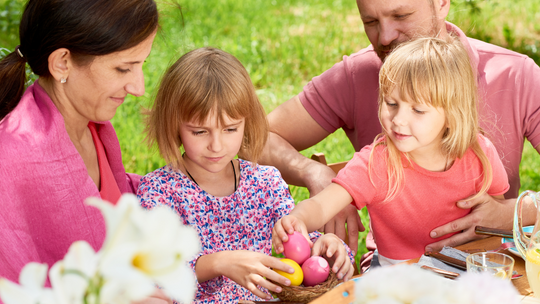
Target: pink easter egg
[[316, 271], [297, 248]]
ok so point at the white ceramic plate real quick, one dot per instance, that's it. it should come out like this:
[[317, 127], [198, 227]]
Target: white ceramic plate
[[514, 249]]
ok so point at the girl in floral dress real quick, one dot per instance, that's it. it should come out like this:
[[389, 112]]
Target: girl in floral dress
[[207, 107]]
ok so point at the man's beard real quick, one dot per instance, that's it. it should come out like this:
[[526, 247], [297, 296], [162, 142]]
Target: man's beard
[[384, 50]]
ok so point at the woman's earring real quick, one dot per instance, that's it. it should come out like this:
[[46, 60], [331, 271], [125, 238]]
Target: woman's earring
[[63, 80]]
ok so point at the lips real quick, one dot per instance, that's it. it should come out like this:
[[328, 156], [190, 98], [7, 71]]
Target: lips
[[400, 136], [215, 159], [119, 100]]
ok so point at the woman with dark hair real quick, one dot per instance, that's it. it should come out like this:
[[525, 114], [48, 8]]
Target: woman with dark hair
[[57, 146]]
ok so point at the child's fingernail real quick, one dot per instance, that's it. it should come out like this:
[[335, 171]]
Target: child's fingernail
[[340, 276], [287, 283], [433, 234], [353, 253], [428, 249], [278, 289], [268, 298], [335, 269], [291, 270]]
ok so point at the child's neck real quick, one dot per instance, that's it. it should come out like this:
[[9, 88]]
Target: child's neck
[[435, 161], [219, 184]]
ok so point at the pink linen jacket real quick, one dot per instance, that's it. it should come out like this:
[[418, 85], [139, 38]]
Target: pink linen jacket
[[43, 184]]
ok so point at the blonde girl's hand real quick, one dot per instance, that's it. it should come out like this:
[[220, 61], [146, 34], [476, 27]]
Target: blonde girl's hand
[[249, 269], [285, 226], [332, 248]]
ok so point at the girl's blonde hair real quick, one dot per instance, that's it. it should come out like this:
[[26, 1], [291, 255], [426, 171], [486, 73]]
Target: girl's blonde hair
[[435, 72], [205, 82]]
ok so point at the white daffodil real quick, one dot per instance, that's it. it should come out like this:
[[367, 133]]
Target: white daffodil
[[74, 277], [30, 291], [144, 248]]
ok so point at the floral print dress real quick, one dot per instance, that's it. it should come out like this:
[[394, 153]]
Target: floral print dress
[[241, 221]]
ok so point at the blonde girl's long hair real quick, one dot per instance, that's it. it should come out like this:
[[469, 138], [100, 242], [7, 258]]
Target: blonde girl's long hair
[[205, 82], [436, 72]]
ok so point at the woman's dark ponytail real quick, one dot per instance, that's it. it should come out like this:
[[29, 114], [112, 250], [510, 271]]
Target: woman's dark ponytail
[[13, 79]]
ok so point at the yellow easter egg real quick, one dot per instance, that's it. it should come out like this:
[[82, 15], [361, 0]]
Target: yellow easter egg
[[297, 276]]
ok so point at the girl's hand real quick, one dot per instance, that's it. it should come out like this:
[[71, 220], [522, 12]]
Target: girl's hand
[[332, 248], [249, 269], [285, 226]]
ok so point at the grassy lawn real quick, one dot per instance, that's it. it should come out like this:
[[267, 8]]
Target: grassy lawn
[[283, 44]]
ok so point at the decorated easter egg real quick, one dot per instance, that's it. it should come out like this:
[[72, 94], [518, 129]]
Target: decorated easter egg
[[316, 271], [296, 277], [297, 248]]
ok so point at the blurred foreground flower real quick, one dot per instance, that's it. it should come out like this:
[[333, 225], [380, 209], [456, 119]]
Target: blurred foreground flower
[[31, 291], [142, 249], [409, 284]]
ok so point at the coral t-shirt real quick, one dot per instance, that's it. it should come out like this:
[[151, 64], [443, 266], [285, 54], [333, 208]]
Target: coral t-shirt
[[426, 199], [345, 96]]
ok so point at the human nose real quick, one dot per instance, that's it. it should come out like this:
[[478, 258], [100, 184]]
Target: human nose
[[136, 85], [215, 143], [400, 119], [388, 32]]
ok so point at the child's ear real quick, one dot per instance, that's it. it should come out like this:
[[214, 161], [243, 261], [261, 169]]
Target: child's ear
[[59, 64]]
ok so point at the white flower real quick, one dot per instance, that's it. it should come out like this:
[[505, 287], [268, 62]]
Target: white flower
[[143, 248], [409, 284], [485, 289], [72, 276], [31, 290]]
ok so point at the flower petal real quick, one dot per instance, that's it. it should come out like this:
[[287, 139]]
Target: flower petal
[[33, 276], [12, 293]]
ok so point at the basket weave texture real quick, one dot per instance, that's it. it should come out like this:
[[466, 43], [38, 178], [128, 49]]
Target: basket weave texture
[[306, 294]]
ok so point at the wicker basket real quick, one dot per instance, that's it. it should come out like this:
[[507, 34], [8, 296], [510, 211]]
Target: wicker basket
[[306, 294]]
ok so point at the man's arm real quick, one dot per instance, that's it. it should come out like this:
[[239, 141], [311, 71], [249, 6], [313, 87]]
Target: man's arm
[[292, 129]]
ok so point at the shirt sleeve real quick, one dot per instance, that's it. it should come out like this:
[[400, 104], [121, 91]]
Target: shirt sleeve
[[355, 177], [283, 202], [530, 101], [153, 191]]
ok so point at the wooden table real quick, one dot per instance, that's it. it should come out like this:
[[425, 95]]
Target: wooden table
[[344, 293]]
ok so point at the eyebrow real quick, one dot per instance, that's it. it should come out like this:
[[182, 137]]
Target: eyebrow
[[225, 126], [399, 9], [132, 62]]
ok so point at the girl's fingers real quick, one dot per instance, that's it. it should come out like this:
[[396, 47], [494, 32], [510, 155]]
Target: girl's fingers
[[275, 263], [349, 274], [269, 285], [256, 291], [287, 223], [276, 277], [317, 249]]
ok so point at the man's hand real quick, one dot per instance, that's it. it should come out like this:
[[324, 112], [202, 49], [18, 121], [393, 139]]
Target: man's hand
[[486, 211], [336, 226]]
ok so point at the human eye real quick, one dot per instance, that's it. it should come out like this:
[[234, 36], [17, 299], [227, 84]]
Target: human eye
[[122, 70], [417, 111], [369, 23], [390, 104], [402, 16], [198, 132], [231, 130]]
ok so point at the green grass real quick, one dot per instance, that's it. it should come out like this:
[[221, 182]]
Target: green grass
[[283, 44]]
